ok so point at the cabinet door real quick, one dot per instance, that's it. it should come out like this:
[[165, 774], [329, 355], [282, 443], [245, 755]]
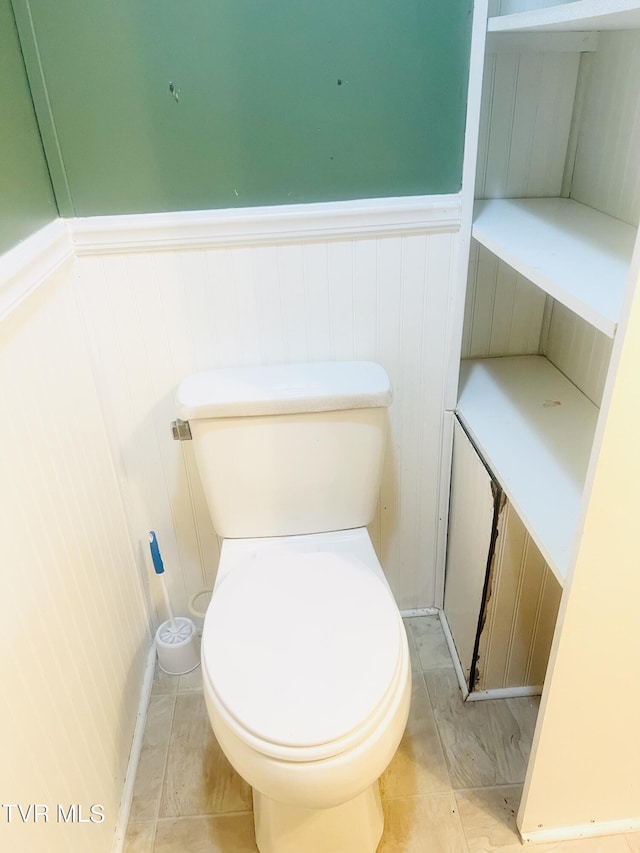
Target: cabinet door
[[501, 599], [521, 603], [473, 502]]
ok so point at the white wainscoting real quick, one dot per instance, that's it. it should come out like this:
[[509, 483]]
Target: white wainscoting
[[75, 634], [162, 299]]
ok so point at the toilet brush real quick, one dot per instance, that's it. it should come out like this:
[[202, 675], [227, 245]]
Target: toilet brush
[[176, 639]]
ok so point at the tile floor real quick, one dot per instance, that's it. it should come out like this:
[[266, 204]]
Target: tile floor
[[453, 786]]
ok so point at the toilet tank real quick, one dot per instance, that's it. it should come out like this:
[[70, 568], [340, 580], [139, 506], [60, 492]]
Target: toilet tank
[[288, 449]]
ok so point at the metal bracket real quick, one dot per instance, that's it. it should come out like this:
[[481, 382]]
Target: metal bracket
[[181, 430]]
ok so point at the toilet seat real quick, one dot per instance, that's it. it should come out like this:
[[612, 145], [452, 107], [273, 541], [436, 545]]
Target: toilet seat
[[303, 653]]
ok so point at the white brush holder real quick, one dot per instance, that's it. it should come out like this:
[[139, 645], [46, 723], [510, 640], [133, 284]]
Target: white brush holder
[[177, 646]]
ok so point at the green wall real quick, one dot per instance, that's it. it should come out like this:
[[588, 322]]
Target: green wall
[[26, 198], [278, 101]]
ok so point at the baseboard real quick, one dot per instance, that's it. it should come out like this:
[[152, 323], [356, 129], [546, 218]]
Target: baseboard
[[505, 693], [589, 830], [134, 755], [462, 682], [419, 611]]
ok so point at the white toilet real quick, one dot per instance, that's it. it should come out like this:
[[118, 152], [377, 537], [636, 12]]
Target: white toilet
[[304, 655]]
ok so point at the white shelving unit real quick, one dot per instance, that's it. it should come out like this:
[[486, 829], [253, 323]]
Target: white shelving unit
[[550, 270], [575, 254], [583, 15], [528, 421], [534, 429]]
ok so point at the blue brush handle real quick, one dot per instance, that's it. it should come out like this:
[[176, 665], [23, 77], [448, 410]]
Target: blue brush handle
[[155, 553]]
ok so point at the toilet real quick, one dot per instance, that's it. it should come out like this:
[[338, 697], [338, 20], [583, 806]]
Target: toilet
[[305, 661]]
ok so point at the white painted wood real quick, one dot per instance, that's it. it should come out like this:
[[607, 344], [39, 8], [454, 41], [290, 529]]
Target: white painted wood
[[26, 266], [578, 350], [592, 829], [534, 429], [520, 612], [75, 627], [198, 229], [575, 254], [456, 301], [510, 7], [134, 755], [470, 528], [504, 693], [580, 15], [563, 796], [460, 676], [606, 175], [525, 123], [564, 42], [504, 311]]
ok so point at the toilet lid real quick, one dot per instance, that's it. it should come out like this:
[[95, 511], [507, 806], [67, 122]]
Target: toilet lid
[[300, 649]]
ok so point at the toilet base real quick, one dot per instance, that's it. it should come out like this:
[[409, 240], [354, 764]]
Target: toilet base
[[352, 827]]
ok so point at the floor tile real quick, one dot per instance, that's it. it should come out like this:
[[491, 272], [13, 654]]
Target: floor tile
[[488, 818], [418, 766], [485, 743], [199, 779], [633, 841], [148, 784], [425, 824], [190, 681], [221, 834], [139, 838], [431, 645], [163, 684], [416, 666]]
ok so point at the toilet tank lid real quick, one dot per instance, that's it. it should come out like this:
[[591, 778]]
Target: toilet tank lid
[[283, 389]]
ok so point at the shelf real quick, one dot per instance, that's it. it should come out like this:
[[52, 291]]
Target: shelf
[[574, 253], [534, 430], [582, 15]]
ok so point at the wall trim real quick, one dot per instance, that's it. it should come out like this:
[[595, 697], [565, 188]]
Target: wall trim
[[24, 267], [587, 830], [457, 666], [419, 611], [504, 693], [192, 230], [134, 754]]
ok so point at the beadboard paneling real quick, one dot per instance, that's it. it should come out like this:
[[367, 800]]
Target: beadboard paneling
[[154, 317], [522, 605], [75, 635], [607, 168], [581, 352], [527, 103], [504, 311]]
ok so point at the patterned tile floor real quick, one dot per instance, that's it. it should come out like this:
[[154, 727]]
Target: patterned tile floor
[[453, 786]]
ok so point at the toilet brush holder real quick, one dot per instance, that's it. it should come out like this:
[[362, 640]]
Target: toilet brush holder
[[176, 639], [177, 646]]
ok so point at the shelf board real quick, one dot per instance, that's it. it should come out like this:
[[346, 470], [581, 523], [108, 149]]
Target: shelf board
[[582, 15], [574, 253], [534, 430]]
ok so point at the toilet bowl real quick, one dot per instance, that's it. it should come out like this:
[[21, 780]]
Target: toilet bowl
[[307, 684], [305, 661]]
